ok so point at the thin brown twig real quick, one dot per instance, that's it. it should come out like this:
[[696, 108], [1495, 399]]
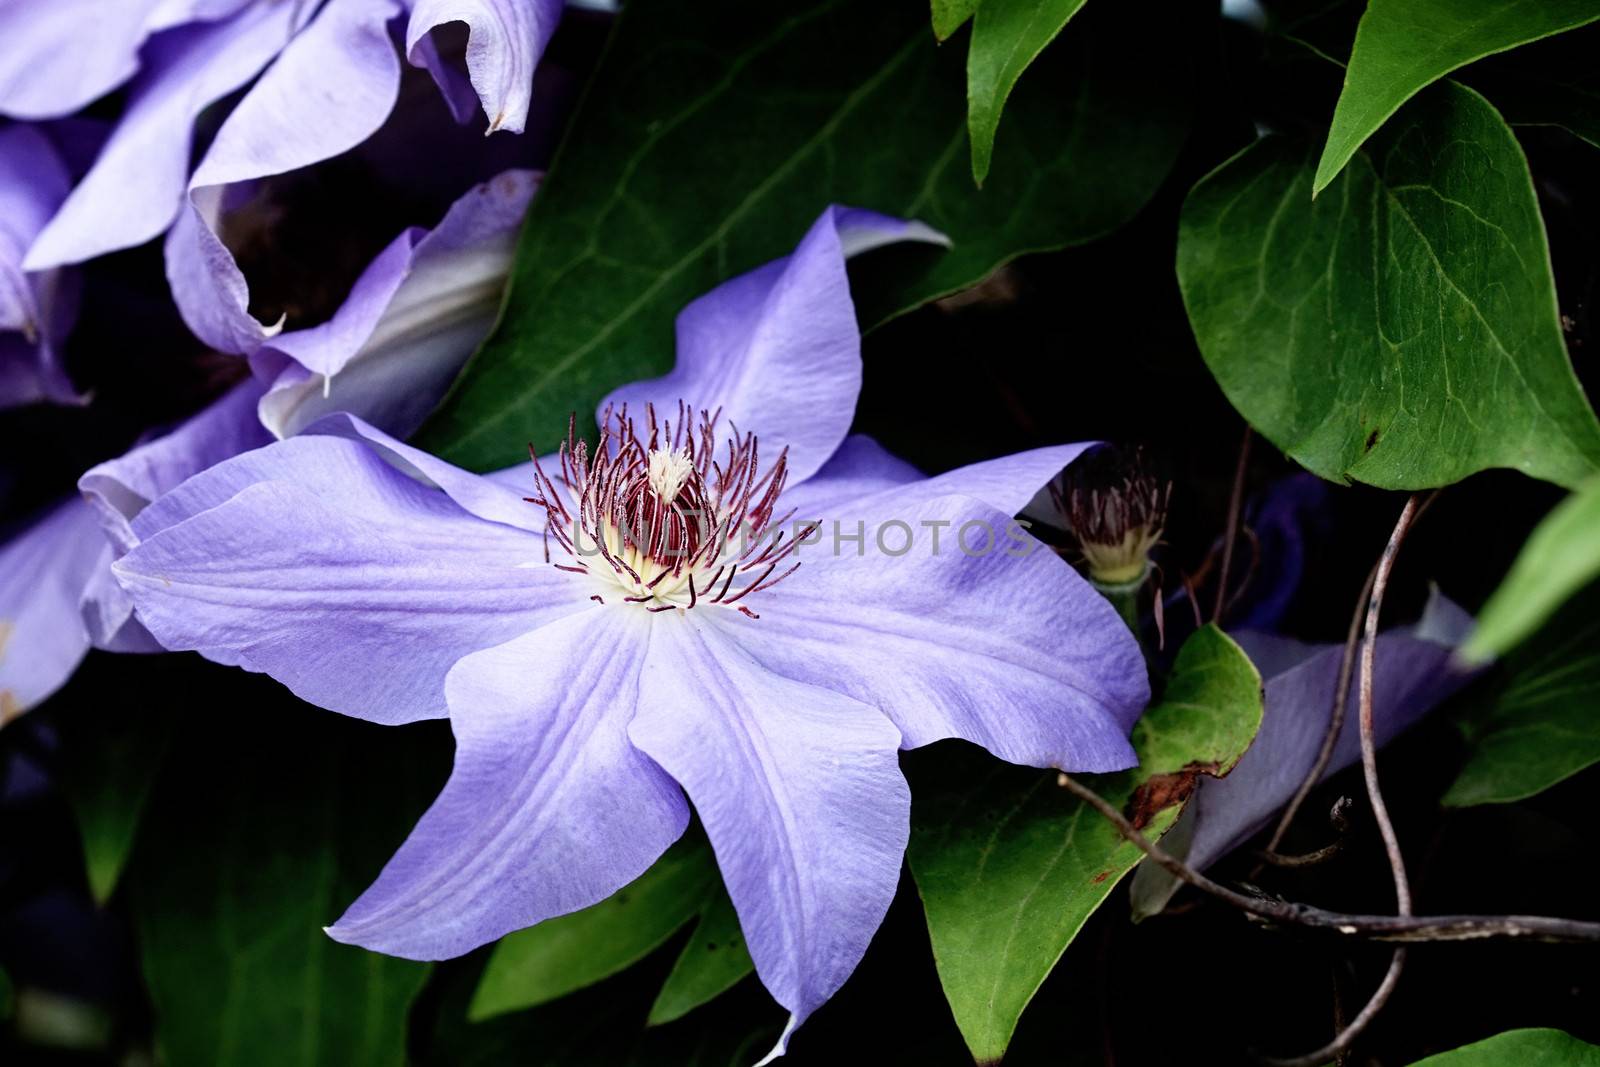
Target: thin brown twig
[[1380, 810], [1330, 738], [1339, 818], [1340, 1045], [1389, 928], [1235, 506]]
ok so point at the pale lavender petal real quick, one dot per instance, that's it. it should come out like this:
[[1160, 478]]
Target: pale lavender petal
[[777, 350], [1414, 671], [1008, 484], [330, 90], [36, 309], [62, 54], [317, 562], [799, 789], [134, 189], [412, 319], [454, 85], [549, 808], [43, 570], [1000, 643], [499, 497], [121, 488], [507, 37], [858, 469]]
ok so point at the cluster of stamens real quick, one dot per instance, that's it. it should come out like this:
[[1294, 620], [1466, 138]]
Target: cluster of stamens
[[658, 510], [1116, 507]]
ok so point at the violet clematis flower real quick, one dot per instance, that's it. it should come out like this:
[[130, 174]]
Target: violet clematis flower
[[36, 309], [388, 355], [643, 632], [1415, 670], [329, 76]]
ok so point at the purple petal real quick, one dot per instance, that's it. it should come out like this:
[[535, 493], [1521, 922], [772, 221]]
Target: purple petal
[[412, 319], [120, 489], [549, 808], [778, 349], [43, 570], [36, 310], [500, 496], [799, 789], [123, 487], [507, 37], [51, 67], [1414, 671], [1007, 484], [133, 191], [1002, 644], [858, 469], [330, 90], [317, 562]]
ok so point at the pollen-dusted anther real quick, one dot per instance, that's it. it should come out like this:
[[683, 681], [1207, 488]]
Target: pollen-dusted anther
[[658, 510], [1116, 508]]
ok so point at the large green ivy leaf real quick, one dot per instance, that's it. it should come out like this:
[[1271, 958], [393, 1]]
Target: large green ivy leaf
[[707, 146], [1560, 558], [1402, 46], [1536, 724], [1007, 35], [1010, 866], [255, 840], [1401, 329], [564, 954], [1524, 1048]]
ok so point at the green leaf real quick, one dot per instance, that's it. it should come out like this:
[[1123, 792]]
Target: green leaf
[[1402, 46], [1007, 35], [564, 954], [950, 15], [714, 959], [1560, 558], [256, 839], [1010, 866], [111, 757], [1524, 1048], [1535, 725], [678, 174], [1402, 329]]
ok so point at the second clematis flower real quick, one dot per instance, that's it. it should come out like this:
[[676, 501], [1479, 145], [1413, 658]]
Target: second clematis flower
[[614, 627]]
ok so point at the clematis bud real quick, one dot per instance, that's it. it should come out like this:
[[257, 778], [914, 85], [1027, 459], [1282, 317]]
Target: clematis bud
[[1115, 507]]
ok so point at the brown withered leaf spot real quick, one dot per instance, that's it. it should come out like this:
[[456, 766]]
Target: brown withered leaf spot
[[1162, 791]]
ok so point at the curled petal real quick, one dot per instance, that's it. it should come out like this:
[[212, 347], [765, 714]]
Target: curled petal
[[412, 319], [507, 37], [801, 794], [549, 808], [133, 191], [330, 90]]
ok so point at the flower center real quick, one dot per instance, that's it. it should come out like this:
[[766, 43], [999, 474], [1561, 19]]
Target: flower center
[[663, 517]]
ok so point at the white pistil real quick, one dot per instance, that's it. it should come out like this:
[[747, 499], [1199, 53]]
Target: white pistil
[[668, 471]]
